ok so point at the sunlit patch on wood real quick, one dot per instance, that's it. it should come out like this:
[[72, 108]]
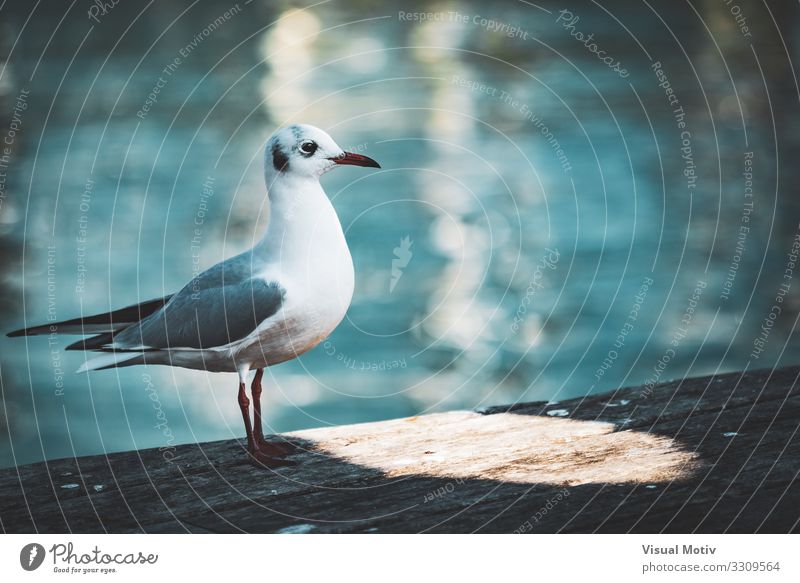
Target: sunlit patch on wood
[[508, 447]]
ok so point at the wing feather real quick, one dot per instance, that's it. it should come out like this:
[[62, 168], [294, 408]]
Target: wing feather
[[222, 305], [105, 323]]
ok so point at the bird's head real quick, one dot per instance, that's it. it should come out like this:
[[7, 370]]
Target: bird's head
[[305, 151]]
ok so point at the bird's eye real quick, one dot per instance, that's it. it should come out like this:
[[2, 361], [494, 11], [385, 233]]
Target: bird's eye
[[308, 147]]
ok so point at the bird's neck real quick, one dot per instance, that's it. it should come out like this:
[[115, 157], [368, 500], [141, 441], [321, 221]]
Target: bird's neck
[[301, 218]]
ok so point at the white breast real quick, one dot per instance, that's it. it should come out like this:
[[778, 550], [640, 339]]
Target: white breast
[[308, 256], [318, 294]]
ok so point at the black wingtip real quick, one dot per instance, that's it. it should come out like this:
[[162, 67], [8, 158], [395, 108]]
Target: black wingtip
[[31, 331]]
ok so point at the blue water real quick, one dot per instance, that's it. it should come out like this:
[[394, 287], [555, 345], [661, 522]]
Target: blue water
[[537, 230]]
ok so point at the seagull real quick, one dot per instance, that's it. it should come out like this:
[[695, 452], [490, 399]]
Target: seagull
[[260, 308]]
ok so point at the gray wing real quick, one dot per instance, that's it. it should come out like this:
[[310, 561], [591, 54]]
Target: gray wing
[[222, 305]]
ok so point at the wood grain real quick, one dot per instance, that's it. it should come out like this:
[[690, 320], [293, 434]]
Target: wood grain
[[713, 454]]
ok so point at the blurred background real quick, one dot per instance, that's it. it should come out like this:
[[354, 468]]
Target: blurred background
[[570, 202]]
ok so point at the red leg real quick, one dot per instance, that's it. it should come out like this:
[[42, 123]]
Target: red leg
[[255, 390], [244, 405], [258, 454], [269, 448]]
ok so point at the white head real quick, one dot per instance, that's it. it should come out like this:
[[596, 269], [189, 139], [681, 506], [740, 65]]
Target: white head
[[305, 151]]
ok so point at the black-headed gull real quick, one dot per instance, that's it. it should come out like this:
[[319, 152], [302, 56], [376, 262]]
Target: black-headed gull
[[262, 307]]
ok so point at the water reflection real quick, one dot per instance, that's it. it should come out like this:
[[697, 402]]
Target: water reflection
[[528, 196]]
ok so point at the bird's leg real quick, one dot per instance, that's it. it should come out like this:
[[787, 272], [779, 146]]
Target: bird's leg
[[255, 390], [257, 453], [244, 405], [269, 448]]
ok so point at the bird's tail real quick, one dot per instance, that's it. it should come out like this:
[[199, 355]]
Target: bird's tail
[[112, 360]]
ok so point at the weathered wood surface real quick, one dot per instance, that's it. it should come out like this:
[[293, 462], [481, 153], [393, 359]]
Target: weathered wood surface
[[715, 454]]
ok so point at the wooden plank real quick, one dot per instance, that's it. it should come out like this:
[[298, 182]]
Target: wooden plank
[[714, 454]]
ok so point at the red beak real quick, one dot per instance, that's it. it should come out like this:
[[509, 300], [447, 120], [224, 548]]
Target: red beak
[[350, 159]]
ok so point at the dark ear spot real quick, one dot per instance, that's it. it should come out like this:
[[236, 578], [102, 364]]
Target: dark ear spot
[[279, 160]]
